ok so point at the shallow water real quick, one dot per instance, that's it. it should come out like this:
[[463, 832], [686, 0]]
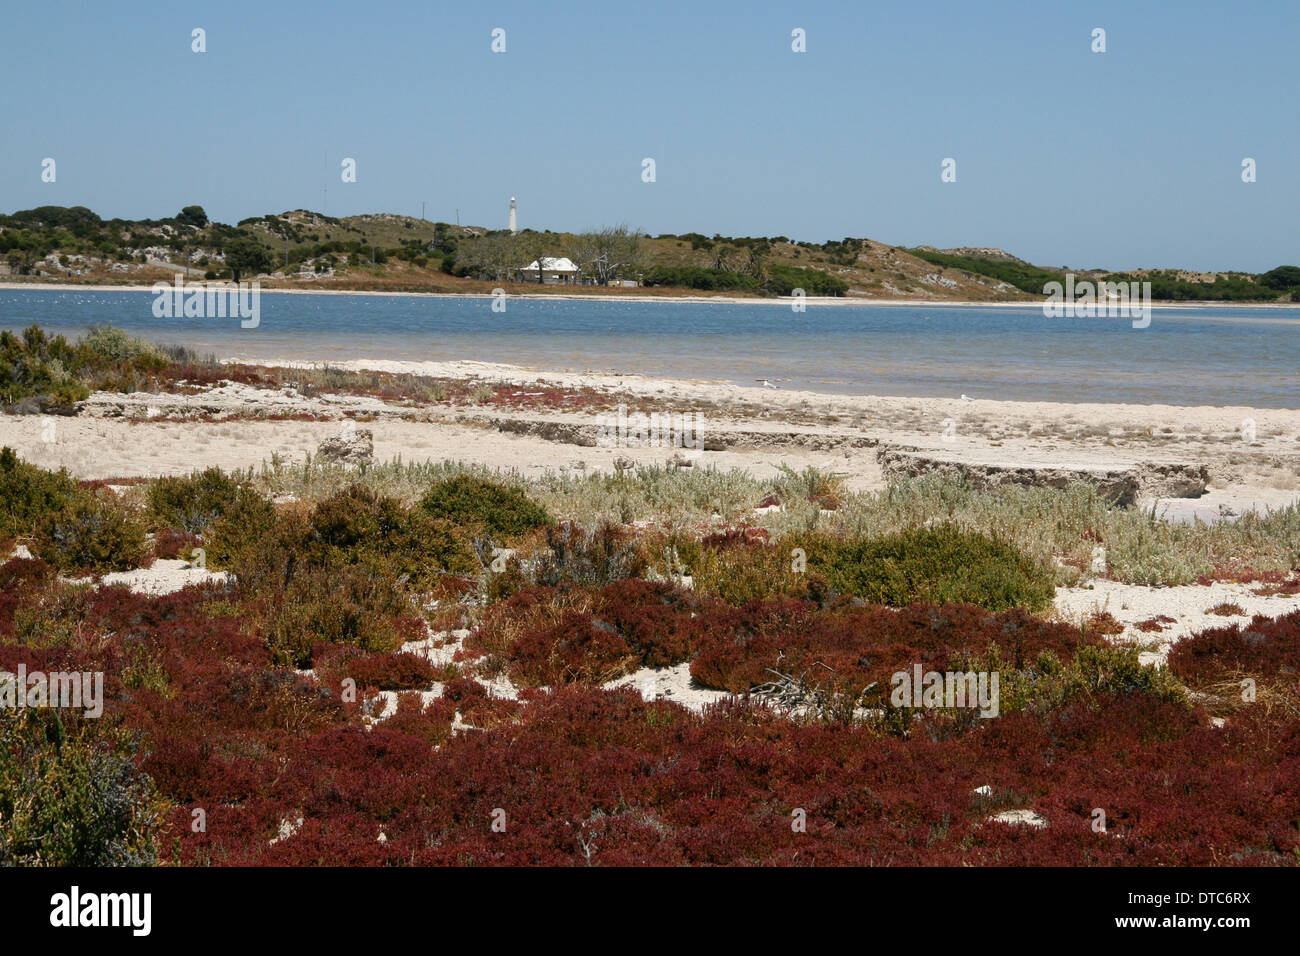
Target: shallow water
[[1200, 356]]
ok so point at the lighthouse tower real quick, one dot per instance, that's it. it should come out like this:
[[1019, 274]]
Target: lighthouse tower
[[514, 217]]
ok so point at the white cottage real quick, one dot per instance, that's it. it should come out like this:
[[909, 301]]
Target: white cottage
[[554, 271]]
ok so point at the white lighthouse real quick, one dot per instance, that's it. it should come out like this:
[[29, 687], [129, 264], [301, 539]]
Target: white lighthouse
[[514, 217]]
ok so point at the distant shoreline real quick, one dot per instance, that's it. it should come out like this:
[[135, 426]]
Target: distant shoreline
[[840, 301]]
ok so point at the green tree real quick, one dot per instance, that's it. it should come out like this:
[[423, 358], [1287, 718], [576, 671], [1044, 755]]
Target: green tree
[[193, 216], [246, 254], [1281, 278]]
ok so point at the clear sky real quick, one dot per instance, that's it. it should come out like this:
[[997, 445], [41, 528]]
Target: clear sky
[[1122, 159]]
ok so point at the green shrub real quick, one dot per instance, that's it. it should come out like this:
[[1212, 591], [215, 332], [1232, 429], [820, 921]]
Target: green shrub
[[1022, 275], [341, 573], [1096, 671], [483, 504], [104, 346], [352, 605], [69, 799], [55, 374], [744, 574], [249, 526], [354, 526], [193, 502], [783, 280], [358, 526], [41, 367], [91, 534], [694, 277], [28, 493], [943, 564], [51, 612]]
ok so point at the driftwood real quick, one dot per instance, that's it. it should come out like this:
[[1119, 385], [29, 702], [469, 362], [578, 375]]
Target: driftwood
[[798, 693]]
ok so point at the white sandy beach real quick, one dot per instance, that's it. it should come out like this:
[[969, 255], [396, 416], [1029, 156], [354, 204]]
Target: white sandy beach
[[758, 429]]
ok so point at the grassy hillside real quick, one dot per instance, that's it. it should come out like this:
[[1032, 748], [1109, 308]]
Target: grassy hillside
[[387, 252], [1278, 284]]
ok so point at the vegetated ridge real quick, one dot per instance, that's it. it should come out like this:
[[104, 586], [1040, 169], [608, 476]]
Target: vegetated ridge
[[389, 252]]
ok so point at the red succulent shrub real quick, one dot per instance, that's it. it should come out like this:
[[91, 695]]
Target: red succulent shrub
[[171, 543], [477, 705], [1156, 623], [741, 648], [654, 619], [20, 572], [20, 578], [400, 671], [288, 774], [1265, 647], [578, 648], [561, 635], [429, 721], [735, 538]]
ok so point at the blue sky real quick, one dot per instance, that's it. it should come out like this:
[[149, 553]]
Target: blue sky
[[1124, 159]]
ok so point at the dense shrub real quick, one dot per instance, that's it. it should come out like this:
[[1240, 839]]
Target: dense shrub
[[695, 277], [548, 636], [344, 572], [600, 778], [578, 648], [936, 565], [739, 568], [112, 359], [939, 565], [56, 374], [70, 797], [170, 543], [289, 774], [740, 648], [593, 557], [378, 671], [1093, 672], [477, 705], [1022, 275], [28, 493], [1281, 278], [91, 534], [348, 605], [354, 527], [357, 526], [783, 280], [18, 574], [656, 620], [40, 367], [193, 502], [428, 721], [483, 504], [527, 610], [248, 528], [1265, 648], [23, 581]]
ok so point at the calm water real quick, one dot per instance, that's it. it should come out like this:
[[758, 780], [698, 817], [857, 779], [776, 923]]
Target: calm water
[[1202, 356]]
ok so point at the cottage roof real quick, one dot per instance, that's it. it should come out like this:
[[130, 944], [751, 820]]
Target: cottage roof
[[563, 264]]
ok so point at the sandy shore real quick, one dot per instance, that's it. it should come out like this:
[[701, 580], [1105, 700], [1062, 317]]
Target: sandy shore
[[747, 427], [840, 301]]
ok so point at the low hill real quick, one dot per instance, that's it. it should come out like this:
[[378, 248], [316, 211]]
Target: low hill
[[389, 252]]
